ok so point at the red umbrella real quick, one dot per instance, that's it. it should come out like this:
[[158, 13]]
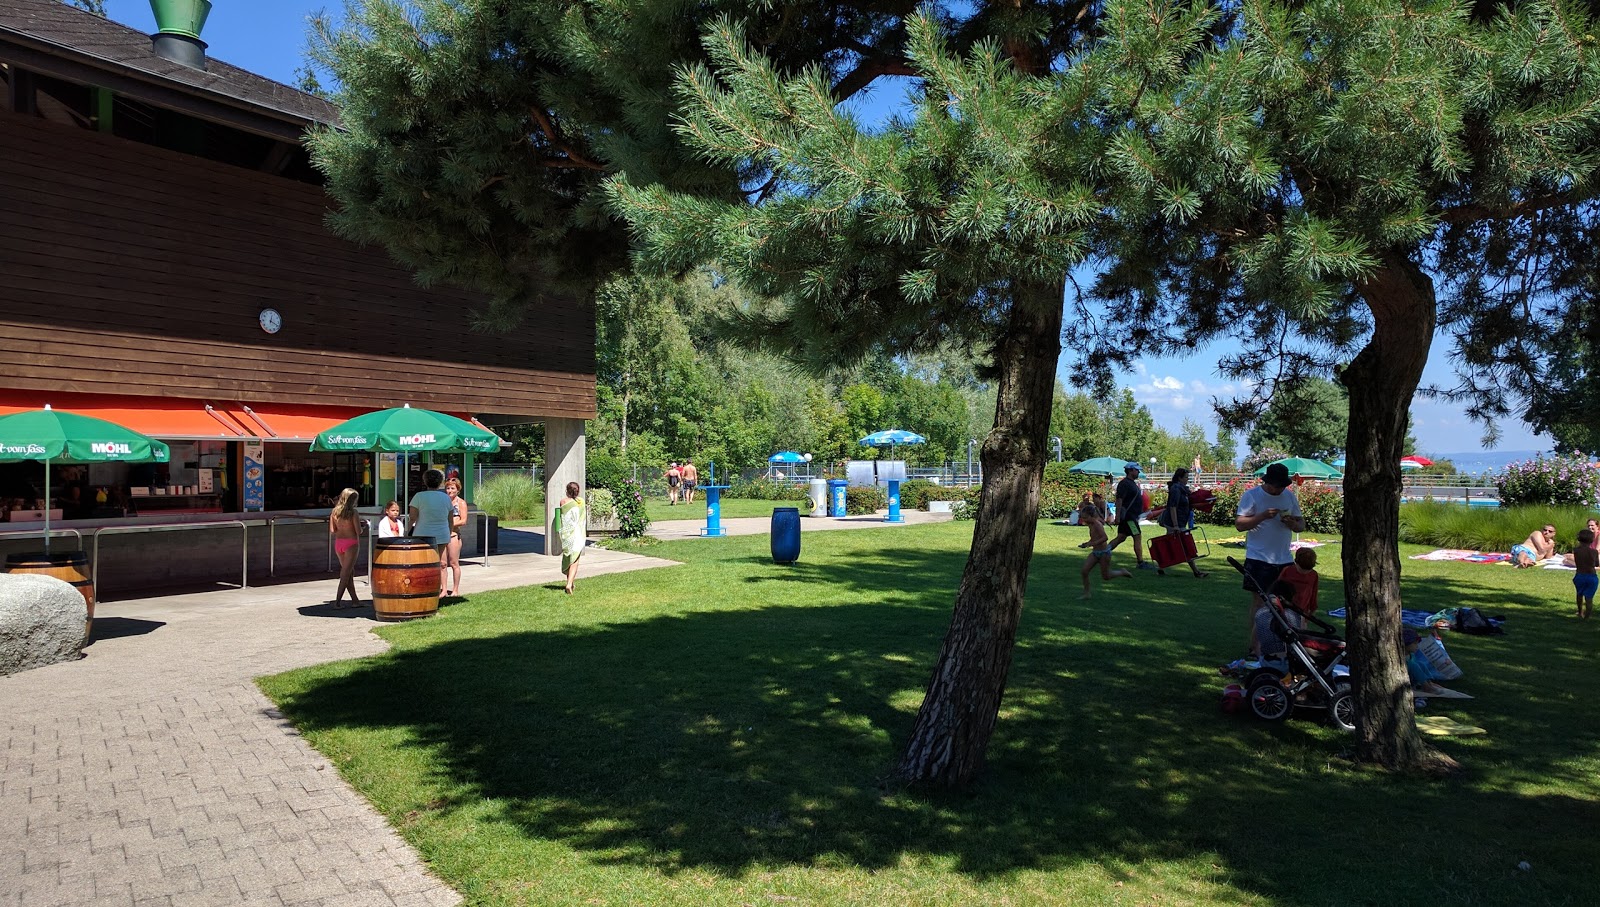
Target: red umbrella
[[1417, 459]]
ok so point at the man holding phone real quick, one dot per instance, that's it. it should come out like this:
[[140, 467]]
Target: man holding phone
[[1270, 514]]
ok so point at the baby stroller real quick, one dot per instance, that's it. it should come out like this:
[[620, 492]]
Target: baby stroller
[[1298, 667]]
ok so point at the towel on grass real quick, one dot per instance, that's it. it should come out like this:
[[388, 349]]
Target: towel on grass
[[1442, 726], [1464, 555], [1408, 617]]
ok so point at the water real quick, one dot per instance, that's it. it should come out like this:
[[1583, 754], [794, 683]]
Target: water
[[1487, 462]]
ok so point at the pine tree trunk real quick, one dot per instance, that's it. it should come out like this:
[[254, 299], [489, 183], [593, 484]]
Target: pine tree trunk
[[1381, 381], [958, 713]]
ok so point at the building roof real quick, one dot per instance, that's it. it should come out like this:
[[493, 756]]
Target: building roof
[[55, 29]]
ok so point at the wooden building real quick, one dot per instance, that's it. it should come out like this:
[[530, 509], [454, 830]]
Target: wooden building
[[164, 262]]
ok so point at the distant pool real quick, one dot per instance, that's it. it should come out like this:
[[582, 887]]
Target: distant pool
[[1472, 502]]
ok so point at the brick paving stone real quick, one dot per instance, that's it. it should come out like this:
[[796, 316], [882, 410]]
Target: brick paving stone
[[153, 771]]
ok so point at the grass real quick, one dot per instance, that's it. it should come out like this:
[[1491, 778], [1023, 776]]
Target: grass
[[660, 511], [717, 734], [1443, 525]]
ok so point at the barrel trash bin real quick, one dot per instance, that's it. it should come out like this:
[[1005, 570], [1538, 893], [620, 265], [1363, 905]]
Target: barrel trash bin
[[819, 497], [69, 566], [836, 496], [785, 535], [405, 579]]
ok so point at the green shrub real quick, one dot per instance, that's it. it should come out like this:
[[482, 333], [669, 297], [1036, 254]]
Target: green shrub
[[966, 506], [605, 471], [602, 505], [1321, 505], [631, 516], [859, 501], [511, 496], [1556, 481], [1445, 525], [764, 489], [914, 494], [1061, 474], [1056, 501]]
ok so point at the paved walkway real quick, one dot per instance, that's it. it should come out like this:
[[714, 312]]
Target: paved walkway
[[153, 772]]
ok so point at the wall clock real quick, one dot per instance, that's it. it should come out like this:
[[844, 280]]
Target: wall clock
[[271, 321]]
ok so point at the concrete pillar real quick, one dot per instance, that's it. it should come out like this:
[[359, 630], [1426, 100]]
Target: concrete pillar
[[565, 452]]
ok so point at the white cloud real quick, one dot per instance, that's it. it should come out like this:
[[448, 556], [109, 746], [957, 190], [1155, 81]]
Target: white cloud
[[1168, 383]]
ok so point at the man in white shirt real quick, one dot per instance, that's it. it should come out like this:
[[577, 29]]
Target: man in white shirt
[[1270, 515]]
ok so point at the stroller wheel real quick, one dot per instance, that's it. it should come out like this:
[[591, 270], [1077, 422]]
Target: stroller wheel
[[1342, 708], [1269, 701]]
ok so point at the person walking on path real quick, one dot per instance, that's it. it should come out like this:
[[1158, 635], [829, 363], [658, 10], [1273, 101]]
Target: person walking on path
[[572, 528], [1269, 514], [344, 525], [674, 478], [691, 478], [1130, 507]]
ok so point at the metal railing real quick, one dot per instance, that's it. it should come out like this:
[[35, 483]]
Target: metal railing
[[244, 554], [26, 533]]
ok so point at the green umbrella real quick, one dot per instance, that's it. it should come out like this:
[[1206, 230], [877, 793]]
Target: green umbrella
[[1103, 466], [404, 429], [1306, 468], [48, 434]]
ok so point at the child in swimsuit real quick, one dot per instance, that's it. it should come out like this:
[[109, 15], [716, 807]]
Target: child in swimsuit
[[344, 525], [1094, 516], [1586, 580]]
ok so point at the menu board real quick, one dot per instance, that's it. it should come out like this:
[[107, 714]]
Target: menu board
[[254, 486]]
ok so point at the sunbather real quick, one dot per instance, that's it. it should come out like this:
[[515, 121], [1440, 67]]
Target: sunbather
[[1540, 544]]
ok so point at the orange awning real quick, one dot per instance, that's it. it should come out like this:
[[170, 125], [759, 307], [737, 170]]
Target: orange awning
[[181, 419]]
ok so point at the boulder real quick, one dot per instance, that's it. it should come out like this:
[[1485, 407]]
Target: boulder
[[41, 621]]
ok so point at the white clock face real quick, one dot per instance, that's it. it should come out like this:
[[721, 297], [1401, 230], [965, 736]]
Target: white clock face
[[271, 321]]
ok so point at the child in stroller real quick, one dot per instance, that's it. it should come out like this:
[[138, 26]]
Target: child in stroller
[[1298, 667]]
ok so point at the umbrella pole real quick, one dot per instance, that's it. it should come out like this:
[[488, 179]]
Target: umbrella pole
[[47, 506]]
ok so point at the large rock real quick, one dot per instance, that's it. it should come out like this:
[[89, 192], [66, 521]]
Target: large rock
[[41, 621]]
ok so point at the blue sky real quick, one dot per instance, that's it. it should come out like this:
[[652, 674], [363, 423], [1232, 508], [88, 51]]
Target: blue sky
[[270, 38]]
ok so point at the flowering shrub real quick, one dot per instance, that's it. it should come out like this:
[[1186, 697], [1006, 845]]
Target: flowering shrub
[[966, 507], [629, 503], [1261, 458], [1556, 481]]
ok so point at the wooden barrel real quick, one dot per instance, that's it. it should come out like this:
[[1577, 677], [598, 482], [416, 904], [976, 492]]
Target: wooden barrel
[[405, 579], [71, 566]]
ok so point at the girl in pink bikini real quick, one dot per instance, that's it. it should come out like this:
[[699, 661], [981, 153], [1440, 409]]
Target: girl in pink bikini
[[344, 524]]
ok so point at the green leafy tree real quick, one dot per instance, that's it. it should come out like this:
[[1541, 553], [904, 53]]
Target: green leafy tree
[[1298, 174], [1225, 450], [98, 7], [1126, 428], [1308, 418]]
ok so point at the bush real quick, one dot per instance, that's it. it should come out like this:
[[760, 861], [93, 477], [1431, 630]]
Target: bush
[[860, 501], [1056, 501], [1444, 525], [916, 494], [602, 505], [966, 506], [605, 471], [1321, 505], [1061, 474], [763, 489], [631, 516], [1558, 481], [511, 496]]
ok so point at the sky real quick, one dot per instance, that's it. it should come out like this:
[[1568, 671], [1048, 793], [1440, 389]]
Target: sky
[[269, 37]]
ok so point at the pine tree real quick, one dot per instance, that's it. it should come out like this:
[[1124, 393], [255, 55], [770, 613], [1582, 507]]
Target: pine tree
[[1291, 172]]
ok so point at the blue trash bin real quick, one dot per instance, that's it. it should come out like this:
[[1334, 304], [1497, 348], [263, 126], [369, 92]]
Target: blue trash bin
[[785, 535], [836, 498]]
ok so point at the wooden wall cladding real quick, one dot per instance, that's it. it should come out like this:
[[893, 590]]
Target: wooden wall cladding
[[130, 269]]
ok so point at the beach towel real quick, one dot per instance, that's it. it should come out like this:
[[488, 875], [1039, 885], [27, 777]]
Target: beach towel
[[1408, 617], [1464, 555], [1442, 726]]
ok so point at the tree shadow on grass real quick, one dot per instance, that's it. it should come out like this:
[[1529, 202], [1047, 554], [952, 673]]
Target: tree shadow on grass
[[733, 741]]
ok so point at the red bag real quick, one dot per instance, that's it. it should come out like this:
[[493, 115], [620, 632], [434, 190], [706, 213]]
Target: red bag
[[1201, 499], [1168, 550]]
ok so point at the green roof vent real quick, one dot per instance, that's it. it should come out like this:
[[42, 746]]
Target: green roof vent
[[178, 26]]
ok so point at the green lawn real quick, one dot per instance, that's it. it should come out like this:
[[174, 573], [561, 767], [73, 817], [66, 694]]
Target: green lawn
[[660, 511], [718, 734]]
